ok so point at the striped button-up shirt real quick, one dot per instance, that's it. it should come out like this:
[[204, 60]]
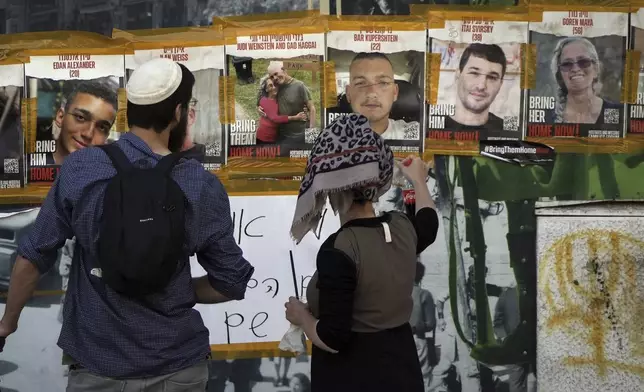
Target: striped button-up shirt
[[105, 332]]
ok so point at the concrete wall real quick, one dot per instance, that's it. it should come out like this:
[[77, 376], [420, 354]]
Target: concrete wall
[[590, 297]]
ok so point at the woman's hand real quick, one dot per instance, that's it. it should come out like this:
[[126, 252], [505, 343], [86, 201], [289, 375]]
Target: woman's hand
[[301, 116], [296, 311], [414, 169]]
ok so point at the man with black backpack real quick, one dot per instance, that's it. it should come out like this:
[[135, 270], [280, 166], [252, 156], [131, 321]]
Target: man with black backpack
[[138, 209]]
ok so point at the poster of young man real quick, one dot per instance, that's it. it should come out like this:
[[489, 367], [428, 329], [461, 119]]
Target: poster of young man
[[479, 94], [379, 73], [579, 71], [635, 123], [12, 81], [77, 96], [277, 95], [205, 130]]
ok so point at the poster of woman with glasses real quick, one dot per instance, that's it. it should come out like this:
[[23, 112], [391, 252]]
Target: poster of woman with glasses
[[579, 71], [477, 94], [205, 130], [379, 73]]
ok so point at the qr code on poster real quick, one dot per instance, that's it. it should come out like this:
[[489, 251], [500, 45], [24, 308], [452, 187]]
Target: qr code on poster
[[214, 150], [411, 131], [611, 116], [510, 123], [11, 166], [310, 134]]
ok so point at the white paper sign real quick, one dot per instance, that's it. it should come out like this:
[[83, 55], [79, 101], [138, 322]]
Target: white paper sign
[[262, 231]]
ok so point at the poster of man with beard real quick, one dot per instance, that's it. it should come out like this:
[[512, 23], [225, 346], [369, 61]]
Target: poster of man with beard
[[579, 73], [205, 59], [77, 105]]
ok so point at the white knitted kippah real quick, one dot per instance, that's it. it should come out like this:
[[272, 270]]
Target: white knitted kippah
[[153, 81]]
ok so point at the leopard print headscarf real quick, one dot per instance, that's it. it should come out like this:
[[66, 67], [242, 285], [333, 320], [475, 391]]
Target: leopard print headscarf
[[348, 162]]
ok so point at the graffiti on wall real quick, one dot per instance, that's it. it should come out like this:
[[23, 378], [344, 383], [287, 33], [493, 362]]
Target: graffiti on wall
[[591, 301]]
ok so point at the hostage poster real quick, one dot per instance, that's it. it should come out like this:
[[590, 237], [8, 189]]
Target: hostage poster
[[278, 111], [77, 103], [205, 132], [379, 73], [479, 95], [579, 73]]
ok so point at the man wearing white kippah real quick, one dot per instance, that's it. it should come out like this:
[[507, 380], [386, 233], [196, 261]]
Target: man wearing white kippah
[[155, 341]]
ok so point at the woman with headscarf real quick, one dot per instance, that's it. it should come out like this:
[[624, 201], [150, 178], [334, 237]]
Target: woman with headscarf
[[360, 296], [578, 71]]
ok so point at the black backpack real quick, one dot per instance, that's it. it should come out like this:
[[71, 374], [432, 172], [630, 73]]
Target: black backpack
[[142, 229]]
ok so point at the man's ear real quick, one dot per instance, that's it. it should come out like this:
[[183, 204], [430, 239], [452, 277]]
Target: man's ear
[[396, 90], [347, 93], [177, 113], [192, 116], [60, 113]]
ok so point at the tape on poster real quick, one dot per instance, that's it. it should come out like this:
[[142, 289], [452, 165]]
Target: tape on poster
[[375, 22], [54, 43], [252, 350], [13, 57], [591, 145], [150, 39], [330, 97], [311, 23], [436, 16], [263, 19], [121, 112], [630, 80], [29, 118], [432, 77], [227, 99], [528, 66], [537, 6], [450, 147]]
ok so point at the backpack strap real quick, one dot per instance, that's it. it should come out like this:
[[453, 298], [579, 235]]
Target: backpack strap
[[166, 163], [117, 156]]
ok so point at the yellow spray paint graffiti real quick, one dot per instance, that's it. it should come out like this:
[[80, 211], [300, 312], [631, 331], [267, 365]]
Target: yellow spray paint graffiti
[[591, 288]]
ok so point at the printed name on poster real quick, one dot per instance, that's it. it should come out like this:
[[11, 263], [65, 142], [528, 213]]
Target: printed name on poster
[[376, 36], [74, 63], [176, 54], [263, 42], [478, 28], [579, 20]]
